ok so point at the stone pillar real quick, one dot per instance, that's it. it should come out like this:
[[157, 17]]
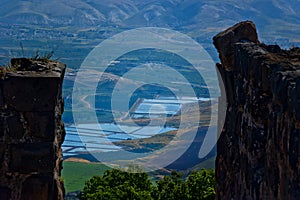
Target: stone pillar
[[31, 130], [258, 152]]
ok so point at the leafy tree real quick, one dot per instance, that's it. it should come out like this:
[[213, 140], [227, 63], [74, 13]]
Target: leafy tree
[[201, 185], [135, 184], [170, 187], [117, 184]]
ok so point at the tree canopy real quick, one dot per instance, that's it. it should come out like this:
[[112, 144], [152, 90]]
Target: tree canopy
[[132, 185]]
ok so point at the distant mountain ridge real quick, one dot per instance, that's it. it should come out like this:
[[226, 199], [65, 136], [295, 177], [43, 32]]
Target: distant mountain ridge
[[81, 24], [132, 13]]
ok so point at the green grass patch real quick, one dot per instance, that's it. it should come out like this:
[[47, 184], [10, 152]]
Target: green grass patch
[[75, 174]]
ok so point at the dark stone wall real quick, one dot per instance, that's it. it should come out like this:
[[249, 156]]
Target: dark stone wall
[[31, 130], [258, 152]]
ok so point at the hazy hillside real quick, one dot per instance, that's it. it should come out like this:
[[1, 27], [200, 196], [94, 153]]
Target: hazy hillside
[[73, 28], [130, 13]]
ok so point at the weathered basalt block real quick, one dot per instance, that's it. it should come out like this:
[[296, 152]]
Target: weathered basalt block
[[224, 41], [258, 152], [43, 187], [32, 157], [41, 125], [31, 130], [42, 89], [14, 125]]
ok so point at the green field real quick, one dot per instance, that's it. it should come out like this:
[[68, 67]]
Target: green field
[[75, 174]]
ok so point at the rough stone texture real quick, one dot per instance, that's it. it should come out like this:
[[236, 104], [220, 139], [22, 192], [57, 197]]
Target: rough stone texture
[[31, 130], [43, 184], [258, 152], [224, 41]]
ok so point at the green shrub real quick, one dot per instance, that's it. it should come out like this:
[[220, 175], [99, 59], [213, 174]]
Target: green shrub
[[118, 184]]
